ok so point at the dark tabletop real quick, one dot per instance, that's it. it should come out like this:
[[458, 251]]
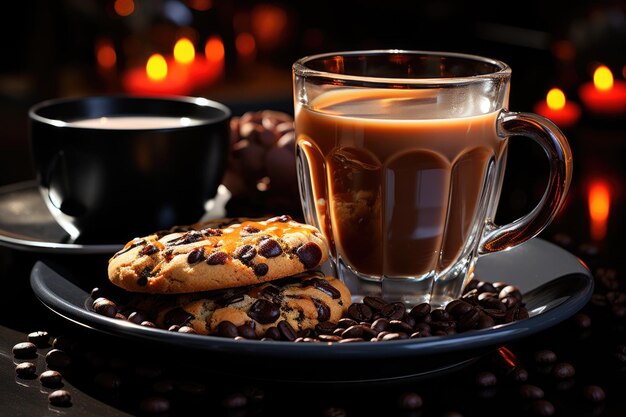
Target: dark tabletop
[[586, 376]]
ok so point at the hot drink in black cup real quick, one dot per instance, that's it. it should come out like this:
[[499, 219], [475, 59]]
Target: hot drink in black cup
[[111, 168]]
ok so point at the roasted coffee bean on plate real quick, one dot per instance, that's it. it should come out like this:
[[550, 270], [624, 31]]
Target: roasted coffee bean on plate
[[483, 305]]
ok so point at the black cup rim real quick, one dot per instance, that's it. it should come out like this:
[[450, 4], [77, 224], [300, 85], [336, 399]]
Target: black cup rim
[[226, 113]]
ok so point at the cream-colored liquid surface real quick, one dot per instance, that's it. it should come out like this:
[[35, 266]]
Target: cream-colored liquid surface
[[135, 122]]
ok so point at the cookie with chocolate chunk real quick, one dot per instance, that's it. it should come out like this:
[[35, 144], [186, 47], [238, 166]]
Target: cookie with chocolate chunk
[[221, 254], [299, 303]]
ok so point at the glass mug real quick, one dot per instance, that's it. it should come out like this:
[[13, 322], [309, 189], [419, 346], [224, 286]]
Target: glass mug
[[401, 158]]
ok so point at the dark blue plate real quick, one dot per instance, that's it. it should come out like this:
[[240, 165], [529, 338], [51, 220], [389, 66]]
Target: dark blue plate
[[555, 285]]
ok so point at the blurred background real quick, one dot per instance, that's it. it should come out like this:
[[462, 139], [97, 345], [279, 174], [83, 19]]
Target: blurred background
[[240, 52]]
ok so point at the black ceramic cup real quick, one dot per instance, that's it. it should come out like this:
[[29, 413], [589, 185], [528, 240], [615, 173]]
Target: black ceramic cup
[[111, 168]]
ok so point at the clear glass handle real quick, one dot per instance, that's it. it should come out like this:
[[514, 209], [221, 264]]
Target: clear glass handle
[[554, 143]]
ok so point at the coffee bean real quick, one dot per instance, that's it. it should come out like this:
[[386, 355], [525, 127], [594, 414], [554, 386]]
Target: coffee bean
[[620, 353], [518, 374], [187, 330], [352, 340], [399, 326], [563, 370], [334, 412], [375, 303], [325, 327], [458, 308], [136, 317], [329, 338], [163, 387], [380, 325], [469, 320], [420, 311], [60, 397], [544, 357], [439, 314], [40, 338], [191, 388], [530, 392], [346, 322], [515, 313], [26, 369], [51, 378], [148, 323], [147, 371], [485, 286], [57, 358], [394, 311], [510, 291], [105, 307], [409, 401], [108, 381], [154, 405], [491, 303], [353, 332], [360, 312], [486, 379], [542, 408], [25, 350], [593, 393], [485, 321], [392, 336], [235, 400]]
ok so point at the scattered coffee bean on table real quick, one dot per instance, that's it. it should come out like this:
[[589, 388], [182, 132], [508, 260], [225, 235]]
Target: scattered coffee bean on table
[[51, 378], [25, 350], [154, 405], [57, 358], [26, 369], [40, 338], [60, 397]]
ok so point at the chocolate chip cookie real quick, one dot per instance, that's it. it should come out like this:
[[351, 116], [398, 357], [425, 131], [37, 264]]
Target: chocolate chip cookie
[[221, 254], [273, 309]]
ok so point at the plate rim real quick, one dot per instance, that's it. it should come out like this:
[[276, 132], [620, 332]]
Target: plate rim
[[14, 242], [474, 340]]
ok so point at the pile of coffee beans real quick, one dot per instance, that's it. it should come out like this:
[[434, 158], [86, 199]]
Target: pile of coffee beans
[[484, 304], [262, 159]]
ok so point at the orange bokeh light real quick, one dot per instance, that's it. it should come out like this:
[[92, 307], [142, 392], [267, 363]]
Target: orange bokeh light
[[200, 5], [245, 44], [105, 54], [268, 23], [124, 7], [599, 202], [214, 49]]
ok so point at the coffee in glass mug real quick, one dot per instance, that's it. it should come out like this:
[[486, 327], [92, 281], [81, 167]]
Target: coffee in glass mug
[[401, 156]]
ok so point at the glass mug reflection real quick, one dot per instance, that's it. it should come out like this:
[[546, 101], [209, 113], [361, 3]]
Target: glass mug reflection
[[401, 157]]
